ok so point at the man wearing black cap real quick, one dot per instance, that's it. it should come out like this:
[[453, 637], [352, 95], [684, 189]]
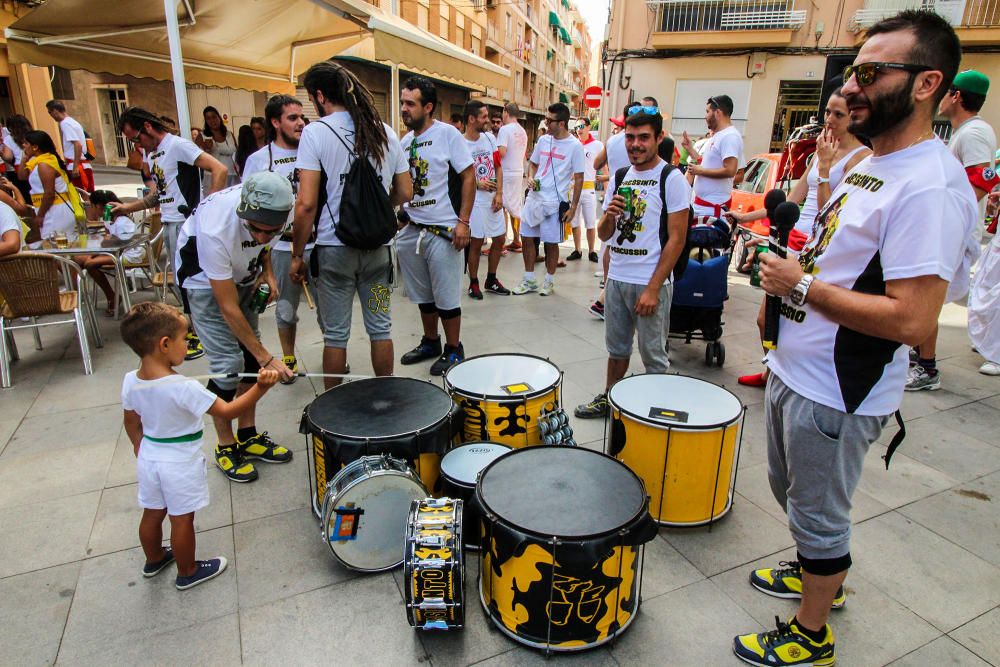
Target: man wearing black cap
[[974, 144]]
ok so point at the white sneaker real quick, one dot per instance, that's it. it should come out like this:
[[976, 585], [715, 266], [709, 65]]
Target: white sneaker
[[919, 379], [990, 368], [525, 286], [548, 287]]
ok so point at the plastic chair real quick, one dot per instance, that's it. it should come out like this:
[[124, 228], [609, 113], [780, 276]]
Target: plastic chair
[[30, 286]]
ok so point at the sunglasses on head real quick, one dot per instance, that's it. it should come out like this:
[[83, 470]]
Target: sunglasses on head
[[638, 108], [868, 72]]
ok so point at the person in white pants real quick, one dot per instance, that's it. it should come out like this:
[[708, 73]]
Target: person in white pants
[[586, 214]]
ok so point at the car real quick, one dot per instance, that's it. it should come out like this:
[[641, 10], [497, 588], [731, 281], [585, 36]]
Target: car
[[760, 176]]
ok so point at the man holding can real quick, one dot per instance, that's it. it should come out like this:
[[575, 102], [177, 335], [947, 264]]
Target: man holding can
[[644, 228], [225, 270]]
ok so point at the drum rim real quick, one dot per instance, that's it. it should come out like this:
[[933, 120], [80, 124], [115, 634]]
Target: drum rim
[[646, 420], [325, 519], [315, 429], [449, 387], [545, 537], [471, 443]]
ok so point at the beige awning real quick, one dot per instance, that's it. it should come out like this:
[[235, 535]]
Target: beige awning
[[259, 45]]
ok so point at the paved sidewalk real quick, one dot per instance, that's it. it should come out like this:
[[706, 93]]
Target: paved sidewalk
[[925, 588]]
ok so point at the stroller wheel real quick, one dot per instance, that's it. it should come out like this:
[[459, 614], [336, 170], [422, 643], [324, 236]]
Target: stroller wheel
[[720, 354], [709, 354]]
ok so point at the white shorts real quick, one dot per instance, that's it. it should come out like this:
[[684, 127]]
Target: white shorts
[[551, 229], [180, 487], [487, 223], [513, 192], [586, 210]]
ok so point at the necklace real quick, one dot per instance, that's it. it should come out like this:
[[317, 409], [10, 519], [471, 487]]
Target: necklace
[[922, 137]]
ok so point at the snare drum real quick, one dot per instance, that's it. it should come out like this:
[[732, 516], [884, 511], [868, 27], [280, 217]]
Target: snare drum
[[679, 434], [561, 563], [434, 566], [502, 397], [403, 417], [365, 511], [459, 471]]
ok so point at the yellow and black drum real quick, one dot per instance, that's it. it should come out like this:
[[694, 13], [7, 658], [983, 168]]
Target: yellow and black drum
[[434, 566], [681, 436], [561, 559], [403, 417], [513, 399]]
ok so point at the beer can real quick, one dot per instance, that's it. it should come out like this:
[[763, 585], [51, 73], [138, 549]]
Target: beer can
[[755, 267], [626, 194], [107, 212], [260, 297]]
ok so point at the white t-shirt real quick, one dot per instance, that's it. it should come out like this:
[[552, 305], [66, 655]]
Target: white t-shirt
[[721, 146], [319, 147], [590, 152], [482, 151], [429, 156], [124, 228], [273, 157], [72, 131], [9, 142], [975, 142], [9, 221], [171, 165], [558, 161], [169, 407], [635, 244], [515, 139], [902, 215], [214, 244], [617, 153]]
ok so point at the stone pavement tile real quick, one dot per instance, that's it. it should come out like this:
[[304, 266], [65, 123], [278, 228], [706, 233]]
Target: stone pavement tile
[[967, 382], [33, 610], [57, 474], [968, 515], [280, 488], [115, 607], [993, 402], [904, 482], [523, 656], [867, 607], [694, 625], [982, 636], [8, 425], [962, 457], [359, 622], [752, 483], [942, 652], [753, 447], [209, 642], [919, 403], [746, 533], [934, 578], [665, 570], [122, 467], [69, 388], [46, 533], [55, 429], [283, 555], [565, 349], [116, 525], [978, 420]]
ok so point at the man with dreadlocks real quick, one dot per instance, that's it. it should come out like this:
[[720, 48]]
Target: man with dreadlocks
[[349, 126]]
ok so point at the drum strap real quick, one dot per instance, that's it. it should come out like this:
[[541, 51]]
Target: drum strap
[[190, 437], [896, 439]]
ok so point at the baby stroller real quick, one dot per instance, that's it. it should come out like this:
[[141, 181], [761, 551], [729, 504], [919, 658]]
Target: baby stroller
[[696, 306]]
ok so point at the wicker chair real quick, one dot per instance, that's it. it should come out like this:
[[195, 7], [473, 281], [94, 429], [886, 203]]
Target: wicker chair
[[29, 284]]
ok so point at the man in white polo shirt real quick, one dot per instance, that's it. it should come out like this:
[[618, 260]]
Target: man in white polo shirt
[[74, 146], [716, 167]]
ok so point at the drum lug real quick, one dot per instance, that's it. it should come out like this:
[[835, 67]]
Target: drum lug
[[431, 563], [437, 502], [433, 604], [430, 541]]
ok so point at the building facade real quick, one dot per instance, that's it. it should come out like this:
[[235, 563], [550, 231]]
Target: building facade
[[774, 59]]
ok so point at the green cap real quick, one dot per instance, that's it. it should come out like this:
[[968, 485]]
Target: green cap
[[266, 198], [971, 81]]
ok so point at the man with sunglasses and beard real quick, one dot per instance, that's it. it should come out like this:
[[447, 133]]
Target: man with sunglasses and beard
[[222, 260], [870, 281]]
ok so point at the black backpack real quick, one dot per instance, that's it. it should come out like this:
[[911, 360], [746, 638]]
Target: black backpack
[[367, 220], [682, 261]]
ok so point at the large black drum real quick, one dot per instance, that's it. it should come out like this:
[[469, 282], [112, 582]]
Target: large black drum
[[403, 417], [460, 469], [561, 559]]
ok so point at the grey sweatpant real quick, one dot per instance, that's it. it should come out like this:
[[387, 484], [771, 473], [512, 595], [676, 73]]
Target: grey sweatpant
[[224, 351], [621, 325], [814, 459]]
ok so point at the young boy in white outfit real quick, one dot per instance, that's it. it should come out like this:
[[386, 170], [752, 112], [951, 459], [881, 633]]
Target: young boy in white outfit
[[164, 414]]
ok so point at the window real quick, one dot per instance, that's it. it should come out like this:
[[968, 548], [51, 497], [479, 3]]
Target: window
[[754, 176], [477, 45], [460, 37], [423, 16], [444, 14], [62, 84]]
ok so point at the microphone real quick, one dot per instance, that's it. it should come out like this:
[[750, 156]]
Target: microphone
[[771, 201], [786, 214]]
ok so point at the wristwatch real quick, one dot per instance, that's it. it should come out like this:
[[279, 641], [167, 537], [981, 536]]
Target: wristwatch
[[820, 180], [801, 291]]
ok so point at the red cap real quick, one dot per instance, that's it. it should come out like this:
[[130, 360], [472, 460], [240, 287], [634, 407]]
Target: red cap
[[619, 121]]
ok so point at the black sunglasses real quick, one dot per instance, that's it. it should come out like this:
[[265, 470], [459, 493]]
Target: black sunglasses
[[867, 72]]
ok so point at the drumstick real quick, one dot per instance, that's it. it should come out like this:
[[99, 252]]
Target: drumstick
[[309, 298], [220, 376]]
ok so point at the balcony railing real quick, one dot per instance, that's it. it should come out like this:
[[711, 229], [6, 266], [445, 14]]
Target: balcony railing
[[724, 15], [960, 13]]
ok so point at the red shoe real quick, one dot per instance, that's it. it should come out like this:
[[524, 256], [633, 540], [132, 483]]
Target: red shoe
[[515, 246], [755, 380]]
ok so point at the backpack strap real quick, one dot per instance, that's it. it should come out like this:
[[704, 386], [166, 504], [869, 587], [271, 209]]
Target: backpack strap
[[664, 216], [620, 176]]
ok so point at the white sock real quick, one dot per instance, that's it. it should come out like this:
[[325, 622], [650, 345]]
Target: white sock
[[529, 275], [550, 278]]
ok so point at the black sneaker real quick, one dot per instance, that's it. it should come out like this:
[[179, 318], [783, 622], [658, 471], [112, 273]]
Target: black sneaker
[[428, 349], [475, 292], [593, 257], [231, 463], [262, 448], [153, 569], [596, 408], [450, 357], [195, 350], [207, 569], [573, 256], [496, 287], [597, 308]]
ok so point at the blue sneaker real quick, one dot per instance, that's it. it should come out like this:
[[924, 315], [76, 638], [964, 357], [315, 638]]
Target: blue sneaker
[[207, 569], [428, 349], [450, 357], [153, 569]]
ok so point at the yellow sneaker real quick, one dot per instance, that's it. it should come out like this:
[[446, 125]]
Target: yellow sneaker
[[784, 646], [229, 458], [293, 365], [785, 581], [262, 448]]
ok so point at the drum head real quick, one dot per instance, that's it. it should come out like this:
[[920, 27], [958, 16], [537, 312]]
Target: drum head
[[378, 408], [675, 401], [502, 376], [462, 464], [566, 492]]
